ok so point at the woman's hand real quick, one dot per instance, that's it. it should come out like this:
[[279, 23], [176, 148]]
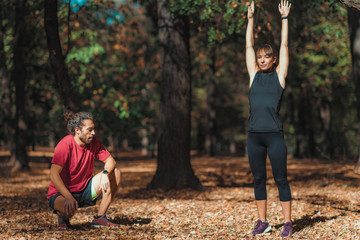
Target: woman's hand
[[251, 10], [284, 8]]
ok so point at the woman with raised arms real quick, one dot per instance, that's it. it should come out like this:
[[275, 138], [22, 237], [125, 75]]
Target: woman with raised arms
[[265, 131]]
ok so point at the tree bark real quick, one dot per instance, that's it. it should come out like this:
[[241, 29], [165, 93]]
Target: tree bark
[[304, 130], [300, 127], [200, 135], [210, 142], [144, 139], [18, 76], [57, 59], [325, 118], [6, 101], [311, 143], [174, 169], [354, 25], [354, 4]]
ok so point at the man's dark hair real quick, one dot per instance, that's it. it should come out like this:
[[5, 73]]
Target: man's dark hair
[[74, 120]]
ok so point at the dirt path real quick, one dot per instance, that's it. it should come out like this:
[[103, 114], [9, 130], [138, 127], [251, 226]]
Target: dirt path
[[325, 203]]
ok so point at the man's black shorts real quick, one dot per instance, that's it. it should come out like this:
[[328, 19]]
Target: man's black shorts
[[83, 198]]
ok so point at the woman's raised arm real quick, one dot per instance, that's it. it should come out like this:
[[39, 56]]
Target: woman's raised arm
[[282, 69], [250, 52]]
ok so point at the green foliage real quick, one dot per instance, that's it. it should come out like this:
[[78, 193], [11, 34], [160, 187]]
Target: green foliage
[[220, 19], [327, 52], [115, 69], [319, 48], [85, 54]]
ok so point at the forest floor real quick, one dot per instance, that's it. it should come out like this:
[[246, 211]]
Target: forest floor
[[325, 203]]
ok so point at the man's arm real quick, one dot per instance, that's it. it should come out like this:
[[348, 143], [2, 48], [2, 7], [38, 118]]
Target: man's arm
[[109, 166], [70, 204]]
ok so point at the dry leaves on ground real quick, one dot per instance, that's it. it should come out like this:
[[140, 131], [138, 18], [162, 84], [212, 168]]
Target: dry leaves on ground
[[325, 203]]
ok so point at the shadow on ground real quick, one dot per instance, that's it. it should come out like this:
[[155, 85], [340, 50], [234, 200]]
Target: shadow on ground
[[308, 221]]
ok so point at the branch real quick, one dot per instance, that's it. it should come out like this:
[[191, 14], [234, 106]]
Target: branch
[[354, 4]]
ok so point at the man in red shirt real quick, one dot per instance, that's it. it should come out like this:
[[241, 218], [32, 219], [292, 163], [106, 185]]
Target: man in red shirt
[[72, 182]]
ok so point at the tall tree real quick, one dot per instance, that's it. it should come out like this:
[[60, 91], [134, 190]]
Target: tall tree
[[6, 100], [210, 143], [61, 75], [354, 25], [354, 4], [173, 162], [318, 104], [18, 76]]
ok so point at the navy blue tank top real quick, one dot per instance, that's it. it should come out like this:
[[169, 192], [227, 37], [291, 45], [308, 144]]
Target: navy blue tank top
[[265, 99]]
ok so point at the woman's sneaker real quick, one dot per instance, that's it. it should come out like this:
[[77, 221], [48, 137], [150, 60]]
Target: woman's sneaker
[[287, 231], [102, 221], [261, 227]]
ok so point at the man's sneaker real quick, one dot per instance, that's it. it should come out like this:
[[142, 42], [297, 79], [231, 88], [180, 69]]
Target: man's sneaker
[[287, 231], [63, 223], [102, 221], [261, 228]]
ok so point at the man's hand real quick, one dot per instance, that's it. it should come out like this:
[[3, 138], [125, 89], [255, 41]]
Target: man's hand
[[70, 206], [104, 182]]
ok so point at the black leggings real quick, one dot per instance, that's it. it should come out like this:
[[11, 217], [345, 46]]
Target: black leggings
[[273, 144]]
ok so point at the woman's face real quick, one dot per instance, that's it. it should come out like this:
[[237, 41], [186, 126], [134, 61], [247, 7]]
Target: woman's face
[[265, 61]]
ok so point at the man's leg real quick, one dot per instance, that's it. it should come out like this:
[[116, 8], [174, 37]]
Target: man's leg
[[59, 208], [57, 203], [108, 194]]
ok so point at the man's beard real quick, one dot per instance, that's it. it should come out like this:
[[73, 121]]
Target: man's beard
[[85, 140]]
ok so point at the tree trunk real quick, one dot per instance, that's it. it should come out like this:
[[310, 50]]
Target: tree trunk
[[304, 129], [200, 135], [354, 24], [18, 76], [232, 145], [291, 101], [311, 143], [325, 117], [300, 127], [210, 142], [174, 169], [6, 101], [125, 144], [354, 4], [61, 75], [144, 139]]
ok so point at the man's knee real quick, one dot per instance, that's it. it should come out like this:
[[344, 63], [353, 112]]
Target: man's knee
[[59, 205]]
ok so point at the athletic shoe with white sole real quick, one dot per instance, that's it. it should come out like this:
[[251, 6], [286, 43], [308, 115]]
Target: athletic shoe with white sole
[[102, 221], [261, 228]]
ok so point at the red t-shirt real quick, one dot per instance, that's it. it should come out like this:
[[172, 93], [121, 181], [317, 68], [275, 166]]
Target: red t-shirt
[[77, 163]]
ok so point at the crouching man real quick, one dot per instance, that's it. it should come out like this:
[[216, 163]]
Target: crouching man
[[72, 182]]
